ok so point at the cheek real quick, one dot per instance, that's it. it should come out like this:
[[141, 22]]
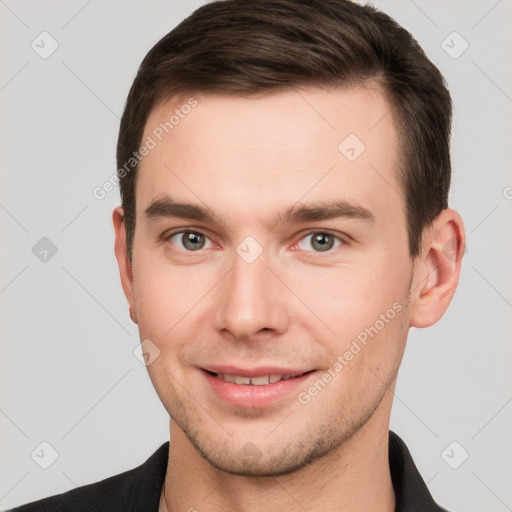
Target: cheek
[[362, 312], [353, 296], [168, 297]]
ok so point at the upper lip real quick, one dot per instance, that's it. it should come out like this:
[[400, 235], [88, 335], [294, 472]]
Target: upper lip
[[254, 372]]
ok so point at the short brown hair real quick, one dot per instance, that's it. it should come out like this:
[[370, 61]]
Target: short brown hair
[[243, 47]]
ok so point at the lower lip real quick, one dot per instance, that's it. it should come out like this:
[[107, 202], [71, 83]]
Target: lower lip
[[251, 396]]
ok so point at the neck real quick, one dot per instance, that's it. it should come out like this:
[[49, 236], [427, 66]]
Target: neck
[[355, 476]]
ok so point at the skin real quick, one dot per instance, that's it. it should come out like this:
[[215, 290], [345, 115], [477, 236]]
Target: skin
[[247, 160]]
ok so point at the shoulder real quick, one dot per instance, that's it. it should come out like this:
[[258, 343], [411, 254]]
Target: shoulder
[[133, 490]]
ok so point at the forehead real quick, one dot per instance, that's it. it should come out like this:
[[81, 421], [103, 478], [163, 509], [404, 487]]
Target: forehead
[[258, 152]]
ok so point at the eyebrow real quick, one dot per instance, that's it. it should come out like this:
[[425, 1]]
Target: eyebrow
[[323, 210], [166, 207]]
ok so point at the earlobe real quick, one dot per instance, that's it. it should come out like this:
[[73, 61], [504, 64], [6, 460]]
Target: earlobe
[[125, 266], [438, 269]]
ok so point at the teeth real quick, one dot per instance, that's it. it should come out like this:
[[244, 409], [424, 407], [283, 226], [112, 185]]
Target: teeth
[[262, 380], [242, 380]]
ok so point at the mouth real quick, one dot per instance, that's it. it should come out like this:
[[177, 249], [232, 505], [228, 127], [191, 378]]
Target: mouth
[[260, 380], [257, 388]]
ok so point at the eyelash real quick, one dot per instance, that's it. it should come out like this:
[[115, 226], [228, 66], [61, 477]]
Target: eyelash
[[168, 237]]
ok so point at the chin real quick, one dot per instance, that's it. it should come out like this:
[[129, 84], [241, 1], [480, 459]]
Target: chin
[[270, 458]]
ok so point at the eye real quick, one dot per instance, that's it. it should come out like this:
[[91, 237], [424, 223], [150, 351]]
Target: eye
[[190, 241], [319, 241]]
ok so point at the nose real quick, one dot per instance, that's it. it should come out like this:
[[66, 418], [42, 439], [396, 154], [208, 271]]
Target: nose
[[250, 301]]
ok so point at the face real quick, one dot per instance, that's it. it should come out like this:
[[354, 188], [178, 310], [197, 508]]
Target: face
[[271, 242]]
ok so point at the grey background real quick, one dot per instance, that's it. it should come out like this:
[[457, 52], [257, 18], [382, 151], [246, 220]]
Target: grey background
[[67, 369]]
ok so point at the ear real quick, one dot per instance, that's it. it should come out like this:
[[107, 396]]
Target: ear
[[437, 270], [125, 267]]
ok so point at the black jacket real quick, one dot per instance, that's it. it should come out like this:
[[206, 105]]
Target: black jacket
[[138, 490]]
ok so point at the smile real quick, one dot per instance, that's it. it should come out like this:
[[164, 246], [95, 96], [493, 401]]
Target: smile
[[254, 381], [255, 389]]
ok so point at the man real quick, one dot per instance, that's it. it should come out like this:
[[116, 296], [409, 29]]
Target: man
[[284, 169]]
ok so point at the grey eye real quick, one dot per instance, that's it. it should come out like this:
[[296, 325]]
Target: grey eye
[[190, 240], [320, 242]]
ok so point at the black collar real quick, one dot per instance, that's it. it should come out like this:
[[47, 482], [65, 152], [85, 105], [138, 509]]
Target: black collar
[[411, 491]]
